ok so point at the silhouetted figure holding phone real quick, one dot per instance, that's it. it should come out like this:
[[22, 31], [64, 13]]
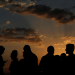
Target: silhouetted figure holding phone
[[28, 65], [14, 64], [1, 60], [63, 63], [70, 64], [47, 62]]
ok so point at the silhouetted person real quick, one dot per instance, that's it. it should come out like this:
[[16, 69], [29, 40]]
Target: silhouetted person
[[14, 64], [28, 65], [1, 60], [63, 56], [47, 62], [57, 65], [70, 64], [63, 63]]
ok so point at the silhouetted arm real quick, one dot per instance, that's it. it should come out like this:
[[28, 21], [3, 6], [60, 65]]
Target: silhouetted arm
[[10, 68], [1, 61]]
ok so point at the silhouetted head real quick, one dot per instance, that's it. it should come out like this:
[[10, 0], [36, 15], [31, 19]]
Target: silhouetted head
[[27, 49], [1, 50], [63, 56], [50, 50], [14, 54], [69, 48]]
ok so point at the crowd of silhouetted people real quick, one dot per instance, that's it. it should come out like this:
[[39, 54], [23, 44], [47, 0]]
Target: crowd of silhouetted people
[[50, 64]]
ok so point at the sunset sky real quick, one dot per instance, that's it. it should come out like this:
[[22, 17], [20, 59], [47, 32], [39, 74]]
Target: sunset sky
[[38, 23]]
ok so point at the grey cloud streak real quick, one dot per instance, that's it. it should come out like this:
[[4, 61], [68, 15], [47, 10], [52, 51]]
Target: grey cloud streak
[[60, 15], [19, 2], [20, 35]]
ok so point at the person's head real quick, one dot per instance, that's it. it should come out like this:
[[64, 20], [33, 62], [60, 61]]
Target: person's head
[[50, 50], [14, 54], [27, 49], [63, 56], [1, 50], [69, 48]]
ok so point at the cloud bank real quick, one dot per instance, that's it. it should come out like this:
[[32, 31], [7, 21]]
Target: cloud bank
[[66, 40], [60, 15], [25, 7], [18, 2], [20, 35]]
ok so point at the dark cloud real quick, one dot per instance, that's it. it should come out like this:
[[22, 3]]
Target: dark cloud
[[22, 0], [61, 15], [6, 3], [73, 7], [19, 35]]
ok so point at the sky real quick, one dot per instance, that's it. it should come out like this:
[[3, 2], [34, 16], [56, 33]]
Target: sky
[[38, 23]]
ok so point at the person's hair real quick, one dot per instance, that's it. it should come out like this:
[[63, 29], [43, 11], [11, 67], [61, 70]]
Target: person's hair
[[27, 48], [50, 49], [70, 47], [14, 53]]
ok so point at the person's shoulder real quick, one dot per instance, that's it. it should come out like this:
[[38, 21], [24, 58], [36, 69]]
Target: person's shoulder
[[34, 55], [44, 56], [21, 60], [74, 54]]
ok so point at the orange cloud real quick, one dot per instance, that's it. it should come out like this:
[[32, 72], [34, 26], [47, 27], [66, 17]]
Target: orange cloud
[[40, 46], [20, 35], [51, 38], [57, 25], [59, 44], [8, 22], [68, 39]]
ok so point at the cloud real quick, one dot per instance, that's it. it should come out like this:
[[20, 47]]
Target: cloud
[[59, 44], [59, 48], [25, 3], [20, 35], [25, 7], [51, 38], [63, 38], [60, 15], [68, 40], [63, 48], [40, 46], [8, 22], [45, 36], [57, 25]]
